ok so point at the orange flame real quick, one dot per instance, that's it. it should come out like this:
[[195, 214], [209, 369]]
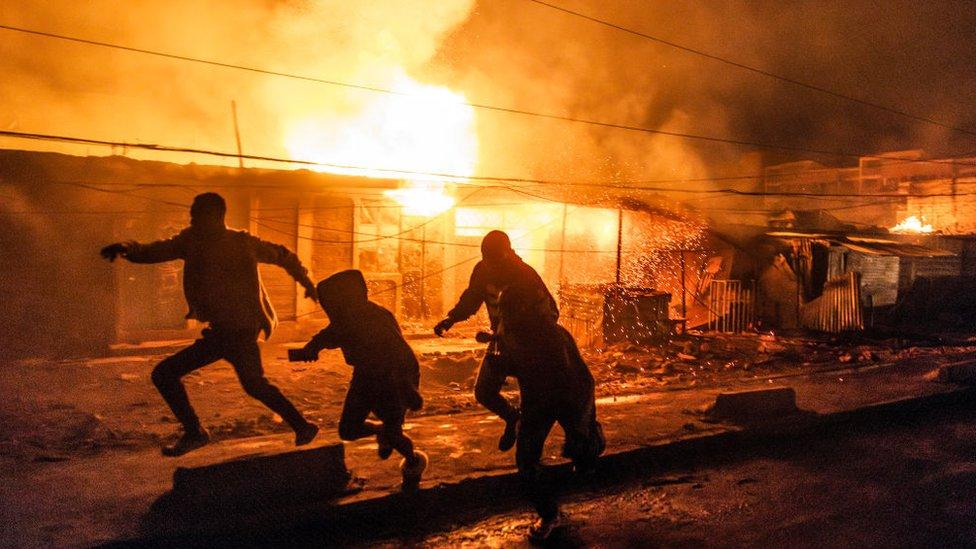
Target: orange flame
[[912, 224], [428, 130]]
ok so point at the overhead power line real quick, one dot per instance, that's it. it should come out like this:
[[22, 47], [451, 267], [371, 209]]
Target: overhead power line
[[456, 178], [615, 186], [750, 68], [376, 89]]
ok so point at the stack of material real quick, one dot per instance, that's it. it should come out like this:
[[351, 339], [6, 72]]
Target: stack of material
[[604, 314], [637, 315]]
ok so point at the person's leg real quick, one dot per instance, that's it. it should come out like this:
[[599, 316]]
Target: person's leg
[[242, 351], [487, 391], [528, 454], [167, 374], [414, 462], [353, 424], [392, 432], [583, 435], [488, 386]]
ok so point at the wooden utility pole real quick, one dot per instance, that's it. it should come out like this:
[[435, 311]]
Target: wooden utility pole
[[684, 292], [237, 134], [562, 250], [620, 239]]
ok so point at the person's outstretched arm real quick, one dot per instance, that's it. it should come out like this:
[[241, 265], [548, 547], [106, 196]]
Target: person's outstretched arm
[[169, 249], [327, 338], [276, 254], [468, 304]]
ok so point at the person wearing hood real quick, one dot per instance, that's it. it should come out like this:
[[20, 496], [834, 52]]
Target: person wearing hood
[[386, 374], [223, 288], [499, 268], [555, 386]]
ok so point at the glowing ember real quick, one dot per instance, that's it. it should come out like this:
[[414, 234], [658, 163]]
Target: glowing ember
[[912, 224]]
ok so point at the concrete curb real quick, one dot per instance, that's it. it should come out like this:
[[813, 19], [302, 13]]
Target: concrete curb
[[449, 503]]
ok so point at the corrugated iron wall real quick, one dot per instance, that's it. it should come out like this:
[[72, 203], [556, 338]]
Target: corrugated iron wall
[[838, 309], [581, 312], [731, 305]]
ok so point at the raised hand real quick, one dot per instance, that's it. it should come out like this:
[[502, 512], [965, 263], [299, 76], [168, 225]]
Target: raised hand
[[443, 326], [303, 354], [113, 251]]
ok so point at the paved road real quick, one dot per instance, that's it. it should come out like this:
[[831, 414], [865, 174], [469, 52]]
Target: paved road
[[905, 484]]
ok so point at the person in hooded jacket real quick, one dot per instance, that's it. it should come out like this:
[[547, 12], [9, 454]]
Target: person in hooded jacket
[[555, 386], [386, 374], [223, 288]]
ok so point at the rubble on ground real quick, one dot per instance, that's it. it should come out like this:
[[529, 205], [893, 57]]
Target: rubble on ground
[[96, 405]]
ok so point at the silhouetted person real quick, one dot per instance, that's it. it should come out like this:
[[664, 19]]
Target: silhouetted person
[[385, 376], [499, 268], [555, 385], [223, 288]]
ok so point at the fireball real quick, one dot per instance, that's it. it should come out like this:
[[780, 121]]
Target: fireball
[[428, 131]]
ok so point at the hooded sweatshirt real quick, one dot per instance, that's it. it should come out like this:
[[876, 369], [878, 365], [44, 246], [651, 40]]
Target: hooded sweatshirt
[[368, 335]]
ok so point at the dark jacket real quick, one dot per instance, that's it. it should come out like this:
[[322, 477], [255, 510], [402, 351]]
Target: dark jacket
[[220, 274], [542, 355], [369, 337], [487, 283]]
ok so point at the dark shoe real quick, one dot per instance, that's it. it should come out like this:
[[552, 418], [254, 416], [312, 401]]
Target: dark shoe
[[543, 529], [305, 434], [507, 439], [412, 473], [383, 446], [187, 443]]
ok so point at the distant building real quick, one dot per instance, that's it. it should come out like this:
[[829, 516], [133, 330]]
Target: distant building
[[883, 190]]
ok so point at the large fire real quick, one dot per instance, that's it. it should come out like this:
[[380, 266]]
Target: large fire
[[429, 130], [912, 224]]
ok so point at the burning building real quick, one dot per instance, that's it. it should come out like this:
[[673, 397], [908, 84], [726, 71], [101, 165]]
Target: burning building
[[416, 244], [849, 247]]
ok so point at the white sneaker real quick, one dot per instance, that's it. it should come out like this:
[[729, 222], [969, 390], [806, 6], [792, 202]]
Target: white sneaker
[[413, 473], [542, 529]]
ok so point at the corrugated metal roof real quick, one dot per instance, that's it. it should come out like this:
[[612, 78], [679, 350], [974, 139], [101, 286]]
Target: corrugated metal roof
[[870, 245]]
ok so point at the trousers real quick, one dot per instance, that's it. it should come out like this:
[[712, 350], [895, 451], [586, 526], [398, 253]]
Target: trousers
[[240, 349]]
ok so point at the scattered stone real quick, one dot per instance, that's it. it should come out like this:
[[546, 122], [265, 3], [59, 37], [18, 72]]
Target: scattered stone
[[666, 369], [626, 367], [754, 404], [866, 356]]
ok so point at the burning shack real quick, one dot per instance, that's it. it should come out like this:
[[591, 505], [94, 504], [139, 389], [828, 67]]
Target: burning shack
[[614, 262], [842, 248]]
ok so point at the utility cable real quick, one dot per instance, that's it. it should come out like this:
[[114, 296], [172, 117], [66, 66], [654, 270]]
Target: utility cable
[[376, 89], [756, 70]]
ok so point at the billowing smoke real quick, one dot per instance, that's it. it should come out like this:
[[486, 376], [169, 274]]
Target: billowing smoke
[[513, 53], [51, 86], [909, 55]]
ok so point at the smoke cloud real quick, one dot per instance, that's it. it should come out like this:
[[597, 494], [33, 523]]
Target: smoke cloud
[[512, 53]]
